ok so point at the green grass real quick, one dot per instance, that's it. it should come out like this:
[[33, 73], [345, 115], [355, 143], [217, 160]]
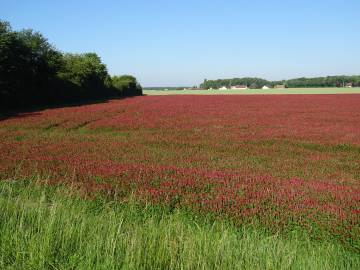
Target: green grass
[[256, 91], [43, 227]]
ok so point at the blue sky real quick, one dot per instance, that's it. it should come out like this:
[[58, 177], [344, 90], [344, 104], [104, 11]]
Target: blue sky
[[182, 42]]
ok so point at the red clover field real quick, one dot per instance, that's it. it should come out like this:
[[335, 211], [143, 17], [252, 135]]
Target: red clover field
[[279, 162]]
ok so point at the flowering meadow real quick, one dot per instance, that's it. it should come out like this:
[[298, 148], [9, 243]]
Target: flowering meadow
[[283, 162]]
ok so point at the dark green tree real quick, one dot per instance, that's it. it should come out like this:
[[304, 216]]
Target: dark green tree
[[28, 65], [126, 85]]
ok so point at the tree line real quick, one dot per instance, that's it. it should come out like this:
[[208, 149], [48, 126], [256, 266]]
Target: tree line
[[166, 88], [255, 83], [33, 73]]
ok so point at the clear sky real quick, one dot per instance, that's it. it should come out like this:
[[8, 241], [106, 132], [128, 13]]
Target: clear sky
[[182, 42]]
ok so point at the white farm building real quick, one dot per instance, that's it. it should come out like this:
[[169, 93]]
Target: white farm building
[[239, 87]]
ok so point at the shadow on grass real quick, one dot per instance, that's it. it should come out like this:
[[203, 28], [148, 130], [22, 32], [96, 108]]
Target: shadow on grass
[[36, 110]]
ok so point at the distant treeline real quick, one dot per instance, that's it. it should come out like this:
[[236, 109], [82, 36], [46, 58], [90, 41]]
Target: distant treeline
[[166, 88], [33, 73], [330, 81]]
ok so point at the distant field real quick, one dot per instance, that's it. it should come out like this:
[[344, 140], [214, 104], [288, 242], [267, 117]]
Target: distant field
[[256, 91]]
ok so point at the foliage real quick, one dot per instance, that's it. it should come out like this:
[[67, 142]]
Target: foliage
[[85, 70], [250, 82], [166, 88], [87, 74], [28, 64], [330, 81], [126, 85], [44, 227], [33, 72]]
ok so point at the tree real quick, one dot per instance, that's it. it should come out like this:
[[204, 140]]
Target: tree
[[46, 59], [33, 72], [330, 81], [87, 73], [126, 85], [84, 70], [28, 65]]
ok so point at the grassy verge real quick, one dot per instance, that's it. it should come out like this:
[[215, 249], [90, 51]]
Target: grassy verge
[[44, 227]]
